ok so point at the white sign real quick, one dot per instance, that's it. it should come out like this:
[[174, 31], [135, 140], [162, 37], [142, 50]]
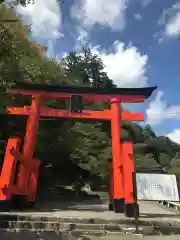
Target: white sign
[[157, 187]]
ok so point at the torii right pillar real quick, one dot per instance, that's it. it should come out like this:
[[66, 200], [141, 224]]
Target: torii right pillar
[[131, 208]]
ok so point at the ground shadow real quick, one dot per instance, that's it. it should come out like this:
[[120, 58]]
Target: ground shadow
[[73, 205], [69, 200]]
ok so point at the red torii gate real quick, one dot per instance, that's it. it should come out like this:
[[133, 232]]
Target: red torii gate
[[27, 176]]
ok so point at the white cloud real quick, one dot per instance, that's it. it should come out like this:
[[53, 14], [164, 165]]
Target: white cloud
[[83, 35], [126, 66], [109, 13], [174, 135], [145, 3], [170, 19], [158, 110], [81, 39], [44, 17], [158, 36], [173, 26], [137, 16]]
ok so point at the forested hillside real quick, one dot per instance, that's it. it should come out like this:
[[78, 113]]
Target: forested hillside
[[65, 145]]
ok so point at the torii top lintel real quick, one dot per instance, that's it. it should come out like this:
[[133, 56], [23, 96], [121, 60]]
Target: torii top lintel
[[88, 93]]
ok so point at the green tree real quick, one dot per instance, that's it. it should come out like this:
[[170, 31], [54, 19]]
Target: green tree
[[86, 69], [148, 132], [24, 2], [21, 60], [164, 159], [175, 163]]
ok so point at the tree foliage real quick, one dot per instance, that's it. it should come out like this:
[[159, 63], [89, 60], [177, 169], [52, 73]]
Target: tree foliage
[[24, 2]]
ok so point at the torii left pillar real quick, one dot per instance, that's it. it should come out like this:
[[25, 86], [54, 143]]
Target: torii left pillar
[[117, 163], [24, 176]]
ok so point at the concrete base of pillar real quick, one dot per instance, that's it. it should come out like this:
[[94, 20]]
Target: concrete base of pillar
[[4, 206], [131, 209], [111, 208], [118, 205], [30, 205], [18, 202]]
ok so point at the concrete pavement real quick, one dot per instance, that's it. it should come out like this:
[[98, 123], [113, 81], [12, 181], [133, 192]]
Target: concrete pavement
[[135, 237], [148, 211]]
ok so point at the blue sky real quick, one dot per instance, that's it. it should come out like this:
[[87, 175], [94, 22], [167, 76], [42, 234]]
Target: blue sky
[[138, 40]]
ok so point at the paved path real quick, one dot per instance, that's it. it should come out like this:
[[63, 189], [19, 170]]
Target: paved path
[[148, 210], [136, 237]]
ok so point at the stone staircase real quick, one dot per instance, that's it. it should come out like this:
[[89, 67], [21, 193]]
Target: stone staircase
[[80, 221], [14, 226]]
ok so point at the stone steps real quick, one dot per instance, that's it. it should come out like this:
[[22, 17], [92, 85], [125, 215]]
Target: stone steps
[[83, 228], [79, 220], [61, 225], [58, 226], [80, 228], [49, 223], [36, 235], [51, 235], [90, 227]]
